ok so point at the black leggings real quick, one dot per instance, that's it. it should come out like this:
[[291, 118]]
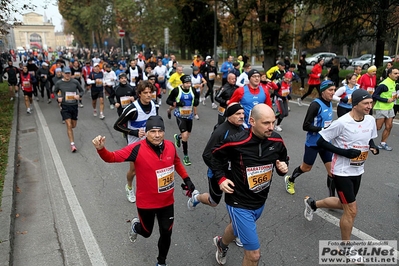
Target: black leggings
[[210, 84], [302, 82], [165, 217], [310, 90], [45, 85]]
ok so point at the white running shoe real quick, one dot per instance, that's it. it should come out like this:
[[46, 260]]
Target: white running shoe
[[214, 106], [81, 105], [220, 253], [308, 213], [28, 111], [278, 128], [94, 112], [132, 232], [112, 107], [238, 242], [299, 101], [196, 117], [131, 197], [193, 202], [101, 116]]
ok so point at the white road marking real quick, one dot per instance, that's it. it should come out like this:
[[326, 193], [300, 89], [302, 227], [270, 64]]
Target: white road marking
[[93, 250]]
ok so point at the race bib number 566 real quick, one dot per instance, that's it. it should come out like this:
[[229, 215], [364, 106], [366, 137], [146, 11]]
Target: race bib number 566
[[259, 177]]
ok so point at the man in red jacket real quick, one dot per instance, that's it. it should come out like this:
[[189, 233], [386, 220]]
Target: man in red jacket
[[155, 161], [314, 80]]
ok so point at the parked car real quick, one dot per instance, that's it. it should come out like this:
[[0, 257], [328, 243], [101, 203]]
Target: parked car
[[364, 64], [312, 60], [343, 61], [360, 58]]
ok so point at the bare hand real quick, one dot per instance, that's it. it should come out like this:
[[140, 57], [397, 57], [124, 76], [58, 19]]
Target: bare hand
[[117, 105], [99, 142], [227, 186], [77, 97], [281, 167], [141, 133]]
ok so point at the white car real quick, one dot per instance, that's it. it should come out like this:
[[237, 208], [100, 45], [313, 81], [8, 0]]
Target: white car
[[366, 63], [363, 57], [312, 60]]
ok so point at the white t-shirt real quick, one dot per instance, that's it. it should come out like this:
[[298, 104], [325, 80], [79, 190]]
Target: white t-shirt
[[161, 72], [346, 133], [242, 80]]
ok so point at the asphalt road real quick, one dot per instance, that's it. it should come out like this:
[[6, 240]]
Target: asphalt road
[[84, 210]]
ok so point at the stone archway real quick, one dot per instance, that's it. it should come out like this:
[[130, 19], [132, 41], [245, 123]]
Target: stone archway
[[35, 41]]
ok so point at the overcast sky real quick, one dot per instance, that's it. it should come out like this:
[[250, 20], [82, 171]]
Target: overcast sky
[[48, 7]]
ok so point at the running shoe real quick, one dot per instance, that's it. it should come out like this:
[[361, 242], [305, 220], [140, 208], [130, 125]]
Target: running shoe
[[132, 232], [385, 147], [214, 106], [73, 148], [299, 101], [289, 186], [37, 98], [193, 201], [238, 242], [101, 116], [220, 253], [169, 114], [112, 107], [177, 140], [186, 160], [196, 117], [49, 101], [161, 264], [203, 101], [278, 128], [94, 112], [29, 111], [309, 204], [81, 105], [131, 197]]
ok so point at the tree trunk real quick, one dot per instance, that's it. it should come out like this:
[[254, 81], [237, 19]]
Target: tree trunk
[[240, 39]]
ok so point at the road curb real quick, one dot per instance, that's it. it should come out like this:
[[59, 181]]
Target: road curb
[[7, 214]]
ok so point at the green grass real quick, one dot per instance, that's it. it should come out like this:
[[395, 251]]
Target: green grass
[[6, 117]]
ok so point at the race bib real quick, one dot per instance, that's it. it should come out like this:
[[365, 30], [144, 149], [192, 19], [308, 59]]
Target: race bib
[[77, 75], [99, 82], [26, 84], [370, 90], [285, 92], [259, 177], [133, 79], [32, 73], [186, 110], [125, 101], [166, 180], [359, 161], [70, 96], [153, 95], [161, 78], [211, 76], [221, 110]]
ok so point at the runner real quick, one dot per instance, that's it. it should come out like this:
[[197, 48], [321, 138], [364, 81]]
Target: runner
[[224, 95], [314, 80], [27, 88], [173, 82], [252, 154], [96, 79], [318, 116], [12, 79], [343, 95], [280, 99], [198, 82], [71, 92], [132, 122], [252, 94], [109, 84], [183, 98], [350, 147], [124, 94], [154, 198], [77, 73]]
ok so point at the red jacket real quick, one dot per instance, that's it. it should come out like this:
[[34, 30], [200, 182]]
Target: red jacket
[[314, 76], [154, 174], [367, 81]]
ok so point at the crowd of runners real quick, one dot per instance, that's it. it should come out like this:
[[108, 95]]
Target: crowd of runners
[[245, 147]]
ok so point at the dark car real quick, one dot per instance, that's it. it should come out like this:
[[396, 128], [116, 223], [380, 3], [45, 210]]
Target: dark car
[[343, 61]]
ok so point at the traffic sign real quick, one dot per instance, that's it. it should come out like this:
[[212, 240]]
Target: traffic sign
[[121, 33]]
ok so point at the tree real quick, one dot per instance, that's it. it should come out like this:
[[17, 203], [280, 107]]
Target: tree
[[347, 22], [8, 8], [272, 16]]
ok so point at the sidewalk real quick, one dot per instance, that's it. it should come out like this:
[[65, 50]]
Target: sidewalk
[[28, 235]]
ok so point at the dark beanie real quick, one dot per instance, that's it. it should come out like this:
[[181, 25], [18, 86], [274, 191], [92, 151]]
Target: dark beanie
[[185, 78], [154, 122], [252, 72], [359, 95], [233, 108]]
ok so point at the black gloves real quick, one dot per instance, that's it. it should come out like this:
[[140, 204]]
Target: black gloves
[[189, 184], [350, 153]]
